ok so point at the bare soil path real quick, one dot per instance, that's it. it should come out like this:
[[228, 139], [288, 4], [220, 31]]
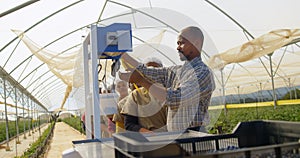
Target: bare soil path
[[62, 139]]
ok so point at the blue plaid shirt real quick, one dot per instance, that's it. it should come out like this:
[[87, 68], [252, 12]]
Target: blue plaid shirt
[[189, 89]]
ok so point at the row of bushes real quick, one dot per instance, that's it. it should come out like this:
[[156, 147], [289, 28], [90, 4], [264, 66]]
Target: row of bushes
[[74, 122], [221, 123], [226, 123], [12, 131], [38, 147]]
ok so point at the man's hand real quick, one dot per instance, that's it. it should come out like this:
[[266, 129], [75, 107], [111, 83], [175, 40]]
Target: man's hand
[[144, 130], [132, 76]]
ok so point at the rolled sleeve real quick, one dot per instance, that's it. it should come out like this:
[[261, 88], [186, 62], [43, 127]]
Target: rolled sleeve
[[159, 75]]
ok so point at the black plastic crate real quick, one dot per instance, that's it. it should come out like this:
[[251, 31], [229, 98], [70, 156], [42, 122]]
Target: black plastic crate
[[266, 132], [249, 139]]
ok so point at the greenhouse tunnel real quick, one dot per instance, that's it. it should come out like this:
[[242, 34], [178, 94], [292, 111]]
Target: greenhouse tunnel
[[251, 46]]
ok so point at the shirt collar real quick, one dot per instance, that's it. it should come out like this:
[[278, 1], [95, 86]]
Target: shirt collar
[[194, 61]]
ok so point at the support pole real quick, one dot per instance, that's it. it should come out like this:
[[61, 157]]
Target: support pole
[[32, 117], [6, 118], [39, 124], [238, 87], [223, 92], [261, 95], [290, 88], [272, 75], [28, 116], [17, 121], [95, 85], [296, 97], [87, 94], [24, 120]]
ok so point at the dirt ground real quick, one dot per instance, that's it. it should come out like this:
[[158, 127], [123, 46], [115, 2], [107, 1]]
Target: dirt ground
[[62, 140]]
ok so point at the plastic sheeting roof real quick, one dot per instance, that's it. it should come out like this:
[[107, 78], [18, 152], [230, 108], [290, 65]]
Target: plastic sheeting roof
[[60, 26]]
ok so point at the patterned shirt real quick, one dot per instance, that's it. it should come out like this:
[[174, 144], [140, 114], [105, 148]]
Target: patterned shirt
[[189, 89]]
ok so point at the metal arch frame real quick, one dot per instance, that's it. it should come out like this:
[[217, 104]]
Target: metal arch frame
[[98, 19], [271, 73], [37, 79], [56, 91], [41, 93], [245, 30], [17, 90], [53, 90], [30, 57], [40, 22], [12, 81], [80, 29], [77, 30], [222, 79], [34, 89], [126, 6], [161, 21], [42, 49], [18, 7], [90, 39], [44, 63], [43, 73]]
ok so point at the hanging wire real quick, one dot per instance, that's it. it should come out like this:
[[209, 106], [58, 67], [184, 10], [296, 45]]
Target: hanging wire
[[99, 70], [104, 77]]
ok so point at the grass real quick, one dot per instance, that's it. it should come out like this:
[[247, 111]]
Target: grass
[[234, 116]]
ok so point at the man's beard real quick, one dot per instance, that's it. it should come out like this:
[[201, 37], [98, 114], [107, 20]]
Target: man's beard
[[181, 56]]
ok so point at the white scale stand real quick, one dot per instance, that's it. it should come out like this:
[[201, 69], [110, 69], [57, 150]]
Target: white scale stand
[[113, 38]]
